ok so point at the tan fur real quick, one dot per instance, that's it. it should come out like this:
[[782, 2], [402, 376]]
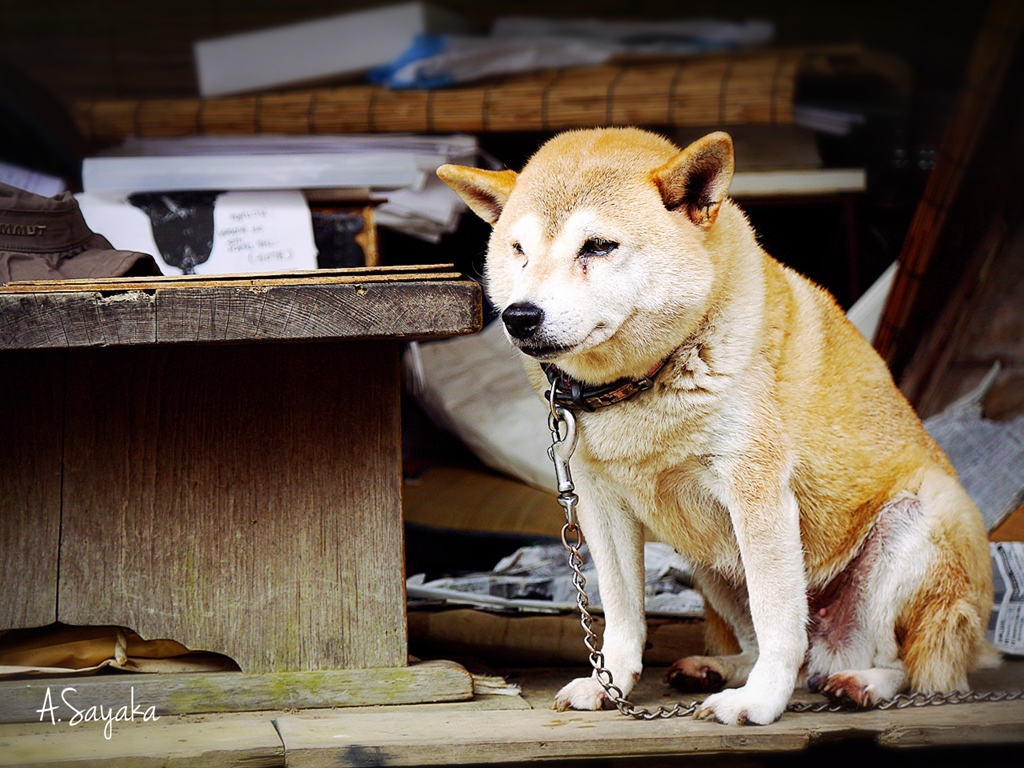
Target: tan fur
[[718, 635], [774, 452]]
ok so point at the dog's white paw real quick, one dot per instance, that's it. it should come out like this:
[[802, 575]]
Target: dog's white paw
[[581, 693], [738, 706]]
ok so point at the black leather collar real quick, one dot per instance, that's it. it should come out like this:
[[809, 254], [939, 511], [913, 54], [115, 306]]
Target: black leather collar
[[573, 394]]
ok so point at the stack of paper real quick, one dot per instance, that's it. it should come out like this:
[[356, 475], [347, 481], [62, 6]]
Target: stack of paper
[[31, 181], [396, 170], [238, 171]]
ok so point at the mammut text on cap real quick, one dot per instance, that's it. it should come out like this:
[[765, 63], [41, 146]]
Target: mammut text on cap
[[46, 238]]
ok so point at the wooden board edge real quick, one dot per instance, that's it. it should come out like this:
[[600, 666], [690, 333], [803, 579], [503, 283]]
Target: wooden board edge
[[128, 285], [196, 693], [49, 326]]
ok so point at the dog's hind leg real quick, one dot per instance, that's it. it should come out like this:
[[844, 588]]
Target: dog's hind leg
[[864, 687], [942, 627], [927, 599], [729, 636]]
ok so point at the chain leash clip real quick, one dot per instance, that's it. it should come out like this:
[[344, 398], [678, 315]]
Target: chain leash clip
[[564, 438]]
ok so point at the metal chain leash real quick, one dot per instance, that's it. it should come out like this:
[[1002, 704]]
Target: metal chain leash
[[564, 437]]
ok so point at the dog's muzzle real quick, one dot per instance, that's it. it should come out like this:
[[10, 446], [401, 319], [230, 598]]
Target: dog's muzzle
[[522, 320]]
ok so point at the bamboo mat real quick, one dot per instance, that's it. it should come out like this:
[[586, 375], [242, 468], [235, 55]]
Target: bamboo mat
[[711, 90]]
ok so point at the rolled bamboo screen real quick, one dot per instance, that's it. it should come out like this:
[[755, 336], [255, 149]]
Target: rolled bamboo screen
[[715, 90]]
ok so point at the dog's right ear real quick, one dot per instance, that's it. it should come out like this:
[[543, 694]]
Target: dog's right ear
[[485, 192], [696, 181]]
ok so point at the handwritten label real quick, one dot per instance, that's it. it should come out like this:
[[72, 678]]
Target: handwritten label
[[261, 232]]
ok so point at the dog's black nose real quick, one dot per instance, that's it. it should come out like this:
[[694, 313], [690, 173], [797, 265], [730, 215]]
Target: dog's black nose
[[522, 319]]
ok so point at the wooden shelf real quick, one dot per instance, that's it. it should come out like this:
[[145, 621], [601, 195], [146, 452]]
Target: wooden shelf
[[335, 304]]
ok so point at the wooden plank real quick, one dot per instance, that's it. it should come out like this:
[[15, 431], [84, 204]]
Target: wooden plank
[[228, 497], [47, 321], [244, 742], [473, 737], [454, 734], [31, 424], [981, 324], [192, 693], [274, 312], [373, 310], [248, 279], [126, 284], [499, 729], [480, 737]]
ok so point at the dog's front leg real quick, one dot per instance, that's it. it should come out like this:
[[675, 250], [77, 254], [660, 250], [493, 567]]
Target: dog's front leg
[[616, 541], [766, 521]]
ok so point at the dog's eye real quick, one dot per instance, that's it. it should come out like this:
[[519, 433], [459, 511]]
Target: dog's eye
[[596, 246], [518, 249]]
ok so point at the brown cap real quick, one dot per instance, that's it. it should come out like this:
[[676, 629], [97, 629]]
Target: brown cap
[[46, 238]]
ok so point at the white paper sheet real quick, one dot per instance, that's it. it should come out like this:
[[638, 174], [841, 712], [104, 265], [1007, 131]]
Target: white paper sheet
[[265, 231], [261, 232], [125, 226]]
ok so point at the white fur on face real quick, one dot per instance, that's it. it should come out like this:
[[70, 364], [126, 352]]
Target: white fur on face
[[585, 301]]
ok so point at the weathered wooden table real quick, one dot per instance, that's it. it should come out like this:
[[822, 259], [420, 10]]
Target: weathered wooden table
[[215, 460]]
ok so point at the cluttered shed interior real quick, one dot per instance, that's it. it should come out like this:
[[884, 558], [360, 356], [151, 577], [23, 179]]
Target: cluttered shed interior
[[461, 383]]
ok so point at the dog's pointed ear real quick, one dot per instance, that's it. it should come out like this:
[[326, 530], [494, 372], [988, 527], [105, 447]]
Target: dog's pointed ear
[[485, 192], [696, 181]]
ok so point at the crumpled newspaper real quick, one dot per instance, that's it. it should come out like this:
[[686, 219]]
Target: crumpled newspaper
[[538, 579], [1006, 628], [988, 455]]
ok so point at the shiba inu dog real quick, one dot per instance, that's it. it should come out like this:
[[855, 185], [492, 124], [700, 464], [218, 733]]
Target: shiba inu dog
[[765, 441]]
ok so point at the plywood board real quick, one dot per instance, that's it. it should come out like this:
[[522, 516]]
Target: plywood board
[[241, 499]]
